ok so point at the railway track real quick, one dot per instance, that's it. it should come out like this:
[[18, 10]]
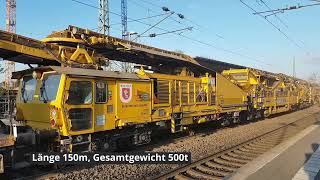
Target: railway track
[[47, 173], [224, 163]]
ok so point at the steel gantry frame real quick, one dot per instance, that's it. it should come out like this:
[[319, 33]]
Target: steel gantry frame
[[10, 27], [104, 18], [125, 66], [124, 18]]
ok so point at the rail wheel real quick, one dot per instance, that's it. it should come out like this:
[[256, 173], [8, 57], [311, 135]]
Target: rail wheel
[[226, 122]]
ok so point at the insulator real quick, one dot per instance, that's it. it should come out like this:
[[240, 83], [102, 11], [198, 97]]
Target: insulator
[[181, 16], [165, 9]]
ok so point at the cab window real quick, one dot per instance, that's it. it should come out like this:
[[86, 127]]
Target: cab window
[[28, 89], [101, 92], [49, 88], [80, 92]]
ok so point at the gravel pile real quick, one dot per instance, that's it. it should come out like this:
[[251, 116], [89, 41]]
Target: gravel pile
[[199, 145]]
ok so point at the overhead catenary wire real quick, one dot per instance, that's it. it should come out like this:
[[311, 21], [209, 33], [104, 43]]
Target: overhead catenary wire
[[199, 26], [282, 10], [280, 20], [170, 32], [154, 25], [148, 2], [273, 25], [225, 50], [173, 19], [111, 12], [143, 18], [186, 37], [149, 9], [187, 19]]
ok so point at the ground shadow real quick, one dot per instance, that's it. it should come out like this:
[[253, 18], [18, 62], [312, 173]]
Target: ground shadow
[[310, 172]]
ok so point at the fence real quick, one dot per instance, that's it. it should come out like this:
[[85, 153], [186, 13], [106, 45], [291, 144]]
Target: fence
[[7, 106]]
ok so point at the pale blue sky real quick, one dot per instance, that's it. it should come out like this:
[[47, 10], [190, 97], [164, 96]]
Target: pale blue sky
[[242, 32]]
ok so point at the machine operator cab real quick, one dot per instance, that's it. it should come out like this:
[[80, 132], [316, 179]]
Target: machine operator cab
[[74, 101], [63, 109]]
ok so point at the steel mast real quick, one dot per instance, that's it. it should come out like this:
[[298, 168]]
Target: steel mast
[[104, 18], [10, 27], [124, 19], [126, 67]]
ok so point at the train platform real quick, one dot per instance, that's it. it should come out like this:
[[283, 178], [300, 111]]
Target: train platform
[[311, 169], [295, 159]]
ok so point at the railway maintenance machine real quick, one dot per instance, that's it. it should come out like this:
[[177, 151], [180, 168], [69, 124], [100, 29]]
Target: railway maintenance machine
[[65, 96], [68, 103]]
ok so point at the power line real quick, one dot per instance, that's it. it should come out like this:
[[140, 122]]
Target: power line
[[186, 37], [139, 5], [172, 18], [149, 17], [204, 27], [282, 10], [280, 20], [283, 33], [151, 9], [170, 32], [111, 12], [154, 25], [155, 5], [200, 27], [225, 50]]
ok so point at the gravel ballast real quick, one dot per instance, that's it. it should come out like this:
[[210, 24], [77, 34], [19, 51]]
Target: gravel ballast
[[200, 145]]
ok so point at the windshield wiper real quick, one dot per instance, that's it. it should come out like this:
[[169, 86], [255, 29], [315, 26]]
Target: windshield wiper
[[23, 89]]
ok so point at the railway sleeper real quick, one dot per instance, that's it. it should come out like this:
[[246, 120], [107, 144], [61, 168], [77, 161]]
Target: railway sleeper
[[181, 177], [281, 134], [262, 146], [271, 141], [250, 151], [246, 153], [287, 133], [227, 163], [212, 171], [233, 159], [240, 156], [267, 142], [277, 140], [253, 148], [200, 175], [218, 166]]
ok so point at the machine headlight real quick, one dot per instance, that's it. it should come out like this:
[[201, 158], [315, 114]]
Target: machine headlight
[[53, 117], [54, 114]]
